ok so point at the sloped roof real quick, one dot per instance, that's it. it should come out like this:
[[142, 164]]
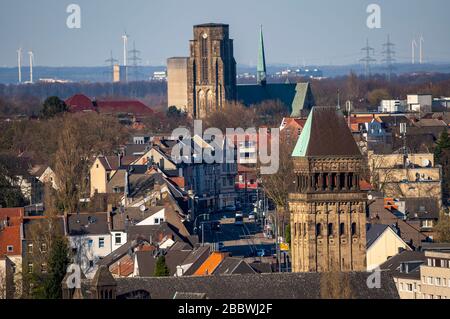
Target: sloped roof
[[255, 286], [234, 266], [374, 232], [124, 106], [87, 224], [80, 103], [326, 134], [296, 97]]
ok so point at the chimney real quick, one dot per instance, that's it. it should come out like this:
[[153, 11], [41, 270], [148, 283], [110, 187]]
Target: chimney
[[120, 159], [180, 271]]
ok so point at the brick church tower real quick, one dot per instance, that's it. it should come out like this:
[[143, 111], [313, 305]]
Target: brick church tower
[[211, 70], [328, 208]]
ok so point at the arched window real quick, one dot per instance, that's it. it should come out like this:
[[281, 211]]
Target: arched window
[[330, 229], [319, 229], [353, 229], [342, 229]]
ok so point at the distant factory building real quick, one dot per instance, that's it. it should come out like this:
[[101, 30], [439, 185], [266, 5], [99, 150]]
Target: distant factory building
[[208, 77]]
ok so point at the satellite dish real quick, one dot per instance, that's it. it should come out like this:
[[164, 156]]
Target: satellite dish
[[426, 163], [142, 208]]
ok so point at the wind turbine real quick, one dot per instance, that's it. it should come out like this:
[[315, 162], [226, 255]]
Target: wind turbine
[[414, 47], [422, 40], [19, 63], [31, 54], [125, 52]]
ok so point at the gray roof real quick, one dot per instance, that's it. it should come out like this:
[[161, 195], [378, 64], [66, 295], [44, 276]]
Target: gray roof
[[255, 286], [413, 258], [374, 232], [422, 208], [298, 98], [132, 216], [87, 224], [233, 266]]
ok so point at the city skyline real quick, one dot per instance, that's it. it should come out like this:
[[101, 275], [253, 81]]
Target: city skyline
[[319, 33]]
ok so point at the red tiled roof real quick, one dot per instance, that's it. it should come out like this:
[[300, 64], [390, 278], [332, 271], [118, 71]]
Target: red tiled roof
[[10, 235], [15, 215], [80, 103], [130, 106]]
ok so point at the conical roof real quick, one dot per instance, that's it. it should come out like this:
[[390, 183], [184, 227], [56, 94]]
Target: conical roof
[[326, 133]]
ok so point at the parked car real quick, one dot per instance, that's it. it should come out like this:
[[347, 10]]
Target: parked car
[[230, 208]]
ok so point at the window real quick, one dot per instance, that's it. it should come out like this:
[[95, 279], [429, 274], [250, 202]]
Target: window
[[43, 248], [30, 248], [30, 268], [430, 263], [10, 248], [90, 243], [330, 229], [430, 280], [443, 263], [437, 281], [118, 239], [353, 229], [44, 268], [401, 287], [158, 221], [342, 229], [101, 242], [319, 229], [409, 287]]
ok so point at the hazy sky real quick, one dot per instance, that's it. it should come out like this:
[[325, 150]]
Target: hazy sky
[[296, 31]]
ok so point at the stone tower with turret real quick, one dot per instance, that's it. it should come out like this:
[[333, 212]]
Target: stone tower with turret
[[327, 205]]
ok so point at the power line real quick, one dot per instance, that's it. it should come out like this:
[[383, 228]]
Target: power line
[[135, 60], [368, 59], [111, 61], [389, 59]]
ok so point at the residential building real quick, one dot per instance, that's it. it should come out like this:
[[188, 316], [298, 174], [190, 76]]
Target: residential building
[[383, 242], [104, 168], [89, 238], [410, 176], [11, 276], [435, 275]]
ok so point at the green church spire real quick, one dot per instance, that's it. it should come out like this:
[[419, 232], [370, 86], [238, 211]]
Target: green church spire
[[261, 70]]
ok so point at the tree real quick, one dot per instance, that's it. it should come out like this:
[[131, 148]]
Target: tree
[[287, 233], [10, 192], [278, 186], [57, 265], [376, 96], [442, 144], [52, 107], [161, 269], [442, 228]]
